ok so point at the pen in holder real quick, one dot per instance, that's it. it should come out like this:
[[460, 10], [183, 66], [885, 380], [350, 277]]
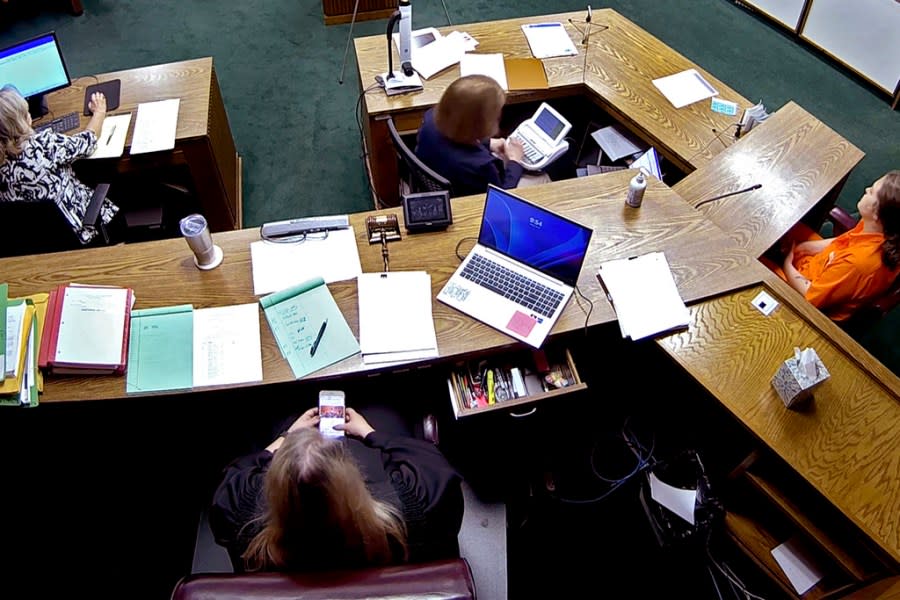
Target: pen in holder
[[383, 229], [195, 230]]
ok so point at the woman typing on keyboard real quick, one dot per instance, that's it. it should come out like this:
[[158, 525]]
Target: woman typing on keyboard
[[36, 167], [455, 138]]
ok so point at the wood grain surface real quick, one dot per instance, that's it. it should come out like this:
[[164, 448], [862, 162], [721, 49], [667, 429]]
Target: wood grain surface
[[615, 69], [703, 260], [844, 442], [801, 163]]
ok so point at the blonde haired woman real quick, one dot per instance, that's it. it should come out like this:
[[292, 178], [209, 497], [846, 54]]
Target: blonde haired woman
[[37, 167], [303, 503]]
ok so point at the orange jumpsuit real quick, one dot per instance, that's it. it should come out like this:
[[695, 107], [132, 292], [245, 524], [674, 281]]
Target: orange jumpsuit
[[847, 273]]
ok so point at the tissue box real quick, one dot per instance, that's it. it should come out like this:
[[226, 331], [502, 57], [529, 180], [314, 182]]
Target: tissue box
[[792, 385]]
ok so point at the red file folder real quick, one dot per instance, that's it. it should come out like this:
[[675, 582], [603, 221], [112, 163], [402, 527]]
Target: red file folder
[[48, 356]]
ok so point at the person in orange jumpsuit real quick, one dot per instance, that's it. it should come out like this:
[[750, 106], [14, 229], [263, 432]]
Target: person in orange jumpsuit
[[838, 275]]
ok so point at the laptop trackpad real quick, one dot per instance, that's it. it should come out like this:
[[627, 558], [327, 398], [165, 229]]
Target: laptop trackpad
[[521, 324]]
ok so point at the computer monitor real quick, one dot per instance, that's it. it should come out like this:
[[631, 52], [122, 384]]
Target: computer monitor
[[35, 67]]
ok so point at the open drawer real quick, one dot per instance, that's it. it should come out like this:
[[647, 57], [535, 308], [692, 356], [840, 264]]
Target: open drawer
[[507, 381]]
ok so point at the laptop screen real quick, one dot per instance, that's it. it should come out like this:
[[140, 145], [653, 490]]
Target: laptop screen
[[533, 236], [549, 123]]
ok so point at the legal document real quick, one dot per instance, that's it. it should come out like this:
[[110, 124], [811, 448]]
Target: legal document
[[154, 126], [226, 345]]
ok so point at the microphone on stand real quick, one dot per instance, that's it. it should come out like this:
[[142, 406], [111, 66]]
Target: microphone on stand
[[720, 196]]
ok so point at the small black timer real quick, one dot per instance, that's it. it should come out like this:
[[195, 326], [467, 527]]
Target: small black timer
[[427, 211]]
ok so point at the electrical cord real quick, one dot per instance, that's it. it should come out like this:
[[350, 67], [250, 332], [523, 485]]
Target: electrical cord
[[727, 572], [643, 461], [718, 137], [587, 315], [364, 154], [460, 243]]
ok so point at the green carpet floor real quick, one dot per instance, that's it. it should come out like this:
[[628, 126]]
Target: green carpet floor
[[294, 123]]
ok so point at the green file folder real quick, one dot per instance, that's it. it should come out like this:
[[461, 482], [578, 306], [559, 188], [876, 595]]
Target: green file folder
[[161, 349]]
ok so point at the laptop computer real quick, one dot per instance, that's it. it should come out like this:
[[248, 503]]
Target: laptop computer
[[521, 273], [542, 135]]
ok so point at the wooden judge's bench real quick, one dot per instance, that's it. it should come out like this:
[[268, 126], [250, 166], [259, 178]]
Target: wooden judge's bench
[[341, 11]]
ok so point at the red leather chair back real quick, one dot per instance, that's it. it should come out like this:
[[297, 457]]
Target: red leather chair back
[[446, 579]]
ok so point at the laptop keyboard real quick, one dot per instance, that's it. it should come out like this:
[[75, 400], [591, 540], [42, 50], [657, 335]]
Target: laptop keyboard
[[514, 286]]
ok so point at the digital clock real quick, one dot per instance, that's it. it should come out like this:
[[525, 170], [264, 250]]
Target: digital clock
[[427, 211]]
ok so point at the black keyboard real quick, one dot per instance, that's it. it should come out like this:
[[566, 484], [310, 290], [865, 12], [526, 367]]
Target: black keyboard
[[515, 286], [60, 124]]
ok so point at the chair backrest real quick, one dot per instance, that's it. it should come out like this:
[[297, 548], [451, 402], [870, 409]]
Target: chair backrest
[[446, 579], [33, 228], [38, 227], [416, 174]]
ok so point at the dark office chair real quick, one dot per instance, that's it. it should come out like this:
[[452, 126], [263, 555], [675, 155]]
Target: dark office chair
[[877, 307], [38, 227], [415, 176]]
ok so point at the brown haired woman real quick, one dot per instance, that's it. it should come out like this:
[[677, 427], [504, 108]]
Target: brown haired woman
[[455, 138], [840, 274]]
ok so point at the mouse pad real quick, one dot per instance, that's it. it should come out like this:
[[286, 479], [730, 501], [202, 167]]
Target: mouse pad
[[110, 89]]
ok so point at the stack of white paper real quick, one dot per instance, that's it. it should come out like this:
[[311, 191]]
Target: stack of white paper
[[491, 65], [278, 266], [395, 320], [227, 345], [616, 143], [685, 88], [644, 295], [547, 40], [155, 126]]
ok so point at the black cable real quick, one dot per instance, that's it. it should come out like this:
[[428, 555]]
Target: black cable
[[364, 155], [590, 310], [720, 196], [460, 243], [718, 137]]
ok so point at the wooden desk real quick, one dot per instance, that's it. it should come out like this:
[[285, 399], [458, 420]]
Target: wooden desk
[[704, 261], [616, 73], [802, 165], [846, 445], [203, 140]]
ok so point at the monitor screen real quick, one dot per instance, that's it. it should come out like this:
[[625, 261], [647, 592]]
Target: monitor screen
[[533, 235], [549, 124], [35, 66]]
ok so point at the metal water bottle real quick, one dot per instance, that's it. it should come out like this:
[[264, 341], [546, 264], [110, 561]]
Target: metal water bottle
[[636, 190]]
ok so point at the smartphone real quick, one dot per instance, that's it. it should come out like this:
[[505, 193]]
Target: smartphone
[[331, 412]]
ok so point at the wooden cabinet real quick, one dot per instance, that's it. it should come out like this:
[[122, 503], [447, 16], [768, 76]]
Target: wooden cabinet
[[768, 505], [341, 11]]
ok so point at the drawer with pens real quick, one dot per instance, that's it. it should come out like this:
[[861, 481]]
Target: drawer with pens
[[505, 381]]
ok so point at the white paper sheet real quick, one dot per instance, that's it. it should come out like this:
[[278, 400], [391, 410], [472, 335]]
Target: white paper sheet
[[277, 266], [438, 55], [644, 295], [547, 40], [649, 160], [92, 326], [395, 318], [679, 501], [491, 65], [226, 345], [800, 570], [685, 88], [154, 126], [615, 143], [111, 143]]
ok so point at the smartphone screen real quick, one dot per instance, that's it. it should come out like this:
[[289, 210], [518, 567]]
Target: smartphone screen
[[331, 412]]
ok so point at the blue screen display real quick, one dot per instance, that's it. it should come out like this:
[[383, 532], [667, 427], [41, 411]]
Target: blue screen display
[[35, 66], [549, 124], [534, 236]]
